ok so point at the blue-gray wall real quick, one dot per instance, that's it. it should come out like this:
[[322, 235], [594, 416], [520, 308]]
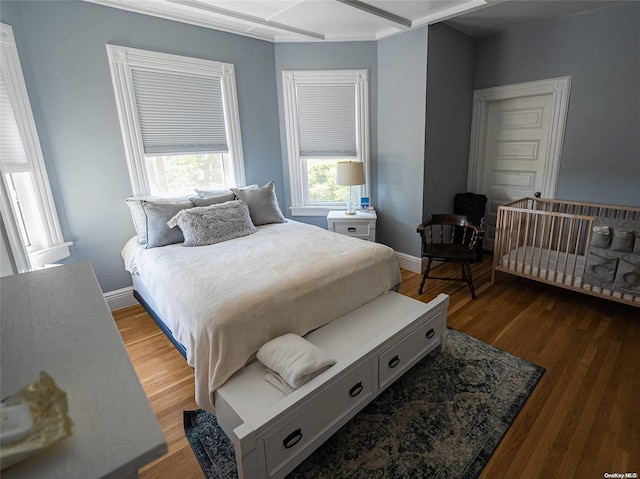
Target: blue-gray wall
[[63, 54], [450, 70], [328, 56], [402, 86], [64, 59], [601, 51]]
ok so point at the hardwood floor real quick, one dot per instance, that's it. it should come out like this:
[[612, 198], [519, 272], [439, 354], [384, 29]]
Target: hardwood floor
[[581, 421]]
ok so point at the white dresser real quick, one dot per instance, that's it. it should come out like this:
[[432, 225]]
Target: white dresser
[[373, 345], [361, 225], [56, 320]]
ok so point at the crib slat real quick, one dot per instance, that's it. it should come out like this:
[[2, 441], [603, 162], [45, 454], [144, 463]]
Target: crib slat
[[576, 255]]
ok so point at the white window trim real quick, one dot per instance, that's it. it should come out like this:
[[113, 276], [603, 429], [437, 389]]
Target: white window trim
[[290, 78], [55, 248], [121, 59]]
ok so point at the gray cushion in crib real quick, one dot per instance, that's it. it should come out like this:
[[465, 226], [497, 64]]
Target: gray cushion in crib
[[623, 240], [628, 275], [601, 236], [213, 224], [601, 268], [624, 233]]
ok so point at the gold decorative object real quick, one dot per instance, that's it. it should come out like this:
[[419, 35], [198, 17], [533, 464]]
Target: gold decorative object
[[50, 422]]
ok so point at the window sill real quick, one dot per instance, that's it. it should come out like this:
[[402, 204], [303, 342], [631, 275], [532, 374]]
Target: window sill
[[314, 210], [42, 257]]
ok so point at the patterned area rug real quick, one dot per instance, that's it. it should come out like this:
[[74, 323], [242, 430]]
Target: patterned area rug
[[442, 419]]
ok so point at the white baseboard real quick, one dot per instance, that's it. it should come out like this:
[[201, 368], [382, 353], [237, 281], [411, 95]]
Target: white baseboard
[[410, 263], [120, 298]]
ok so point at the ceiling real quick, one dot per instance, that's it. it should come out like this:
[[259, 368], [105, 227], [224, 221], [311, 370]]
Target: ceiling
[[518, 13], [353, 20]]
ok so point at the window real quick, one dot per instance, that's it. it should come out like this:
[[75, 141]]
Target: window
[[179, 121], [327, 121], [28, 211]]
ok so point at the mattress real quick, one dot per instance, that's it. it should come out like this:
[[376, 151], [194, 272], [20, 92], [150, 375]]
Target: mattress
[[224, 301]]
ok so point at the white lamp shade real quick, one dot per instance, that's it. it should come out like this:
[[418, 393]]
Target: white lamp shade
[[350, 173]]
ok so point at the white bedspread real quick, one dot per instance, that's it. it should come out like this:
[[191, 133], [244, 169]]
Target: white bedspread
[[224, 301]]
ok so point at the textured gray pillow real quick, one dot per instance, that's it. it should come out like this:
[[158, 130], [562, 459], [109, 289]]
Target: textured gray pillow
[[263, 204], [213, 224], [139, 216], [213, 200]]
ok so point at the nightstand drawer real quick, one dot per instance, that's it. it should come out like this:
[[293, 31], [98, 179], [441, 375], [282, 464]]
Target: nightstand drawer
[[362, 225], [353, 229]]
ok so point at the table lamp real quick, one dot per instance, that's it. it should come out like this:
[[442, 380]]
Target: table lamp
[[350, 173]]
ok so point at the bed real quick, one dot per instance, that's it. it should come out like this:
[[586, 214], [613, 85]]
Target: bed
[[219, 303], [587, 247]]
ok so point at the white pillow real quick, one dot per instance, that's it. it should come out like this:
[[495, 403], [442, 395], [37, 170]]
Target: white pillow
[[219, 192]]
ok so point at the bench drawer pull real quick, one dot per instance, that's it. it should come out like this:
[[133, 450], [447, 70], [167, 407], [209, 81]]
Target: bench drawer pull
[[394, 361], [431, 333], [351, 229], [355, 390], [292, 439]]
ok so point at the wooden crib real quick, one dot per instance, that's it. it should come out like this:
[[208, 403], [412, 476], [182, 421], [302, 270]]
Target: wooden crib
[[587, 247]]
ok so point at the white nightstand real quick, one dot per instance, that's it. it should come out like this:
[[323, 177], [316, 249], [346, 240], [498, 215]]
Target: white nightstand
[[361, 225]]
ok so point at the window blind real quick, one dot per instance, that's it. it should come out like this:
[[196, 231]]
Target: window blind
[[12, 153], [179, 114], [326, 120]]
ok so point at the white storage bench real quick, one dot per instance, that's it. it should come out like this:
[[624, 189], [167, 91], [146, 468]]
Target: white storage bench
[[374, 345]]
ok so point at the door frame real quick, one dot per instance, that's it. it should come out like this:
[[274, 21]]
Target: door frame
[[557, 87]]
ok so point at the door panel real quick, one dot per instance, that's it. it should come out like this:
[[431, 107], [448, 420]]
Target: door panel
[[516, 142], [516, 152]]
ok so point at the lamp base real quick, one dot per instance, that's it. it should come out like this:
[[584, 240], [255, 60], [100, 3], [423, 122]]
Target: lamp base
[[350, 213]]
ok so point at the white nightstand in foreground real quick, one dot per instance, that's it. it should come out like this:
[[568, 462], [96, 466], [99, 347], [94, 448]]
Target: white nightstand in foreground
[[56, 320], [361, 225]]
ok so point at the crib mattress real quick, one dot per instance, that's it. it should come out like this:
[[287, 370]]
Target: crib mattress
[[554, 266]]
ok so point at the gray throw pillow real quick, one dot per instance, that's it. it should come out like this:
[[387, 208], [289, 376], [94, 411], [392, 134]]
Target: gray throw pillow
[[213, 200], [262, 203], [157, 215], [214, 224], [139, 216]]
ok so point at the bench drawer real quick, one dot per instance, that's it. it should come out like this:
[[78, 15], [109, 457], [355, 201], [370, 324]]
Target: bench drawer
[[402, 355], [289, 440]]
